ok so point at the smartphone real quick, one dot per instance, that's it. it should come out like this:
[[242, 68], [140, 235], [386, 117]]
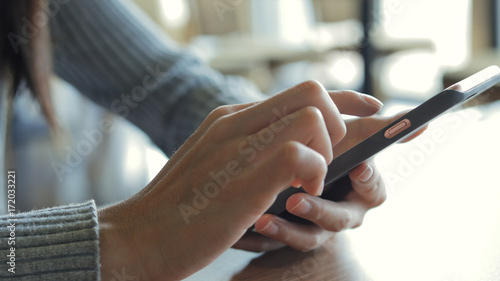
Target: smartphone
[[337, 182]]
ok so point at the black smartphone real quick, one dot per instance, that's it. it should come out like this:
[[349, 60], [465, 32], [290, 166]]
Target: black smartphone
[[337, 182]]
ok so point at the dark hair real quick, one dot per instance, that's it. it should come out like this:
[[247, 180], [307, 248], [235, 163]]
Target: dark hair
[[26, 56]]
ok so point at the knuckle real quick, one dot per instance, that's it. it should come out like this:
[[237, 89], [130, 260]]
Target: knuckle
[[334, 220], [286, 161], [380, 198], [290, 153], [313, 115], [323, 169], [341, 222], [221, 111], [359, 222], [219, 129], [339, 132], [342, 129], [369, 188], [215, 114], [313, 124], [221, 121], [345, 221], [285, 237], [319, 213], [314, 86], [312, 89]]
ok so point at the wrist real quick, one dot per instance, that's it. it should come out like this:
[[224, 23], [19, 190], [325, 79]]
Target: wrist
[[131, 245], [117, 256]]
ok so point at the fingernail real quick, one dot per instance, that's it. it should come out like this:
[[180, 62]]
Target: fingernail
[[373, 101], [366, 174], [270, 229], [302, 208]]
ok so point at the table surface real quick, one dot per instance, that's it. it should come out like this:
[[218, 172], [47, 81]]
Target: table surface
[[441, 220]]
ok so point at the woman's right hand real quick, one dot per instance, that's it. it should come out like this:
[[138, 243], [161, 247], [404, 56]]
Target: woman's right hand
[[221, 181]]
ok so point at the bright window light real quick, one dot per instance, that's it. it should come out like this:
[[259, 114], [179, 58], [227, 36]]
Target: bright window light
[[446, 23], [295, 23], [175, 13], [288, 21], [412, 73], [345, 68]]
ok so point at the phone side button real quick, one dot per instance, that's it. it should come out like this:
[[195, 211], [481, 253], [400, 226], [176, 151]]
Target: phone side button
[[398, 128]]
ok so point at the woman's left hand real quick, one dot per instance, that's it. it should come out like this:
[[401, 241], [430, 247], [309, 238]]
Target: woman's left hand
[[329, 217]]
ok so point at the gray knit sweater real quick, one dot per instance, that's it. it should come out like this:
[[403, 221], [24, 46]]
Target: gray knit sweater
[[118, 58]]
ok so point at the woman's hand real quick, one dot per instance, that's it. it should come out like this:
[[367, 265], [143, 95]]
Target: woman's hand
[[329, 217], [227, 174]]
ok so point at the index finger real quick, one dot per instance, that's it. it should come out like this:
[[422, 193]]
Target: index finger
[[309, 93], [355, 103]]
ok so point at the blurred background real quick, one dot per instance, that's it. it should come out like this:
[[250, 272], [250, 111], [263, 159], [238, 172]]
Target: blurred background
[[400, 51]]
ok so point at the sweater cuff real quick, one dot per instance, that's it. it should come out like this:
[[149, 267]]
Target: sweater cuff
[[60, 243]]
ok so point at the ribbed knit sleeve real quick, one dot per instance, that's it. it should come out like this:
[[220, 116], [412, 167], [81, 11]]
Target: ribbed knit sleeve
[[120, 59], [58, 243]]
